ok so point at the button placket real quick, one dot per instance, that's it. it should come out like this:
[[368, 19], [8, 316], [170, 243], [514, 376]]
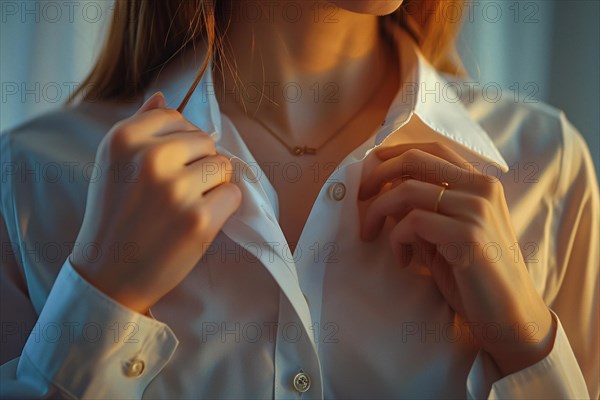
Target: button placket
[[268, 214], [306, 298]]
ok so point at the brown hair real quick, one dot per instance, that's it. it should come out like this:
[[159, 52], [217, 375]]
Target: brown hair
[[144, 35]]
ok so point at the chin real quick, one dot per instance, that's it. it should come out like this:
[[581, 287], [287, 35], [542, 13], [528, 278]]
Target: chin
[[373, 7]]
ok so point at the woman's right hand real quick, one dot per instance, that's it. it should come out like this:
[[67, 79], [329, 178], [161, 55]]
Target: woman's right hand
[[142, 233]]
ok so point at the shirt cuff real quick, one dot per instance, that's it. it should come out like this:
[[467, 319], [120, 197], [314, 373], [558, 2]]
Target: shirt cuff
[[89, 345], [556, 376]]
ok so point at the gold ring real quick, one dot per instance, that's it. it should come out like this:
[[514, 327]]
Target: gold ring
[[439, 198]]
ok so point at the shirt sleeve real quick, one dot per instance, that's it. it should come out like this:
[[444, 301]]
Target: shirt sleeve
[[84, 344], [557, 376], [572, 368]]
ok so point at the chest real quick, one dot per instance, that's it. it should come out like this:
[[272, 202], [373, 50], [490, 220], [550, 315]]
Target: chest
[[297, 182]]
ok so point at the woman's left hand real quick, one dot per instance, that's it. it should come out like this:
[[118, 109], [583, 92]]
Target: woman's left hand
[[466, 239]]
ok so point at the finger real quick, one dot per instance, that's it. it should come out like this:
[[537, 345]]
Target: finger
[[407, 245], [412, 194], [209, 172], [200, 177], [135, 132], [397, 202], [445, 232], [432, 227], [159, 122], [221, 202], [156, 101], [435, 148], [406, 253], [427, 253], [186, 147], [169, 156], [417, 164]]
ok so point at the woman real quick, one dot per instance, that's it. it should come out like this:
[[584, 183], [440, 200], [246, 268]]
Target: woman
[[276, 238]]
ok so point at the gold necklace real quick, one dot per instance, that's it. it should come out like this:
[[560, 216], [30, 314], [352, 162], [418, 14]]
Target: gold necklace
[[302, 150]]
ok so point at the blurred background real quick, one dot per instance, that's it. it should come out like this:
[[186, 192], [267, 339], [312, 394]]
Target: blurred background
[[539, 50]]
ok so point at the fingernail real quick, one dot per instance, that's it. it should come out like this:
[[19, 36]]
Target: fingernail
[[159, 95], [162, 102]]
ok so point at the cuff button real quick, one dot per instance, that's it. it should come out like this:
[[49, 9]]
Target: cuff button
[[133, 368]]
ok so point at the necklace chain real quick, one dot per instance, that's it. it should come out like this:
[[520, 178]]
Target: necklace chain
[[310, 150]]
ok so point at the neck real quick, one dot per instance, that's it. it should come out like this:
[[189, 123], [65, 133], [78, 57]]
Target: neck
[[312, 59]]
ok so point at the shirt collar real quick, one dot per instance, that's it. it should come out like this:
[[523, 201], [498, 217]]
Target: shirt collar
[[175, 80], [435, 101], [424, 94]]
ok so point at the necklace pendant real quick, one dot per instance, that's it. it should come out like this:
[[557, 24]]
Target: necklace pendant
[[298, 151], [301, 150]]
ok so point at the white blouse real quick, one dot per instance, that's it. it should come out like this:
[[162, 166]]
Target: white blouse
[[336, 319]]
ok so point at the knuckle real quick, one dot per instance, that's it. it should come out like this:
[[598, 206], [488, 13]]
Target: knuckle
[[149, 172], [207, 142], [166, 112], [150, 162], [438, 145], [173, 193], [491, 189], [410, 185], [498, 187], [120, 138], [223, 161], [204, 135], [413, 155], [172, 113], [224, 165], [478, 206], [234, 192], [376, 173], [473, 234], [486, 179], [414, 218], [198, 221], [153, 153], [119, 126]]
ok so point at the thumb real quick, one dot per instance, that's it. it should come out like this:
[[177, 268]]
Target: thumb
[[157, 100]]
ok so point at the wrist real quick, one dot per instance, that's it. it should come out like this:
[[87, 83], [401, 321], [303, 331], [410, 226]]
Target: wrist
[[523, 354], [108, 287]]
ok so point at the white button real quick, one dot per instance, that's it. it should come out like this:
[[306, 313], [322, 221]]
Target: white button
[[134, 368], [301, 382], [337, 191]]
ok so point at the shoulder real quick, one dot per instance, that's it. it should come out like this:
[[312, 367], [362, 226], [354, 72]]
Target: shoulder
[[551, 188], [531, 136], [47, 163], [44, 152], [56, 135]]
